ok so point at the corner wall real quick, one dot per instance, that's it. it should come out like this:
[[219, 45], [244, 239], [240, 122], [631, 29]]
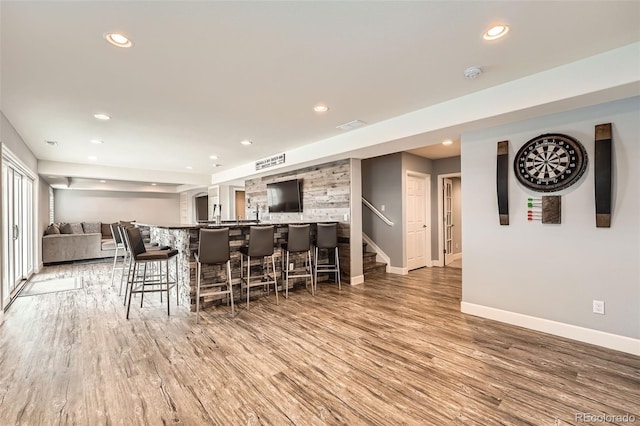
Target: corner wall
[[382, 185], [545, 276]]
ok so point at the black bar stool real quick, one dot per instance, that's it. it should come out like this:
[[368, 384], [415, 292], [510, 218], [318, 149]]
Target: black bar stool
[[127, 264], [327, 239], [298, 241], [140, 256], [260, 245], [213, 249]]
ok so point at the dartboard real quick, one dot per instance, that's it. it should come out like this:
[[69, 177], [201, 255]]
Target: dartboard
[[550, 162]]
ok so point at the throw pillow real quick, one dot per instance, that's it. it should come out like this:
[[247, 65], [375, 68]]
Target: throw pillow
[[76, 228], [106, 230], [52, 229], [91, 228], [65, 228]]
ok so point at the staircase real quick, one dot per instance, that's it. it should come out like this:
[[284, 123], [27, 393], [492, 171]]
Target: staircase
[[369, 265]]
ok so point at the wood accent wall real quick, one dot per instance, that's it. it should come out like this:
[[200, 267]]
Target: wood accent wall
[[326, 190]]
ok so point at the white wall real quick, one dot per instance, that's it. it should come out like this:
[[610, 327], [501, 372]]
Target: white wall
[[546, 276], [111, 206], [42, 216]]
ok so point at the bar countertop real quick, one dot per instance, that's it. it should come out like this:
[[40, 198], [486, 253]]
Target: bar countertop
[[226, 223]]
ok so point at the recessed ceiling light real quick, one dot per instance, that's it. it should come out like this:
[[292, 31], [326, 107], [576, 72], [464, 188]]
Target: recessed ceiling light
[[101, 116], [118, 40], [92, 157], [96, 141], [51, 177], [495, 32], [153, 184], [246, 142], [447, 142], [188, 167], [217, 165], [213, 157], [103, 181], [321, 108]]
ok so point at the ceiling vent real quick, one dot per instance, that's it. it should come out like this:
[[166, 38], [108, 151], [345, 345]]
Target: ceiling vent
[[351, 125], [52, 143]]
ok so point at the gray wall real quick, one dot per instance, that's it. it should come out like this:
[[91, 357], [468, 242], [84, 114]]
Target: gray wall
[[382, 185], [554, 272], [111, 206], [12, 140]]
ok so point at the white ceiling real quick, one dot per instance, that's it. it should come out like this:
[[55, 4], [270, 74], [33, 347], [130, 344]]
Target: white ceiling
[[202, 76]]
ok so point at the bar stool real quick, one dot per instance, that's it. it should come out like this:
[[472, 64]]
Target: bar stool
[[213, 249], [327, 239], [140, 256], [117, 239], [298, 241], [260, 245], [127, 264]]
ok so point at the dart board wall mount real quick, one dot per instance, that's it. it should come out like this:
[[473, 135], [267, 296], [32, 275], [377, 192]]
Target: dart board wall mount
[[550, 162]]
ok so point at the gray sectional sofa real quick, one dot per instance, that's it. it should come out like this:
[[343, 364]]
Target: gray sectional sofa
[[66, 242]]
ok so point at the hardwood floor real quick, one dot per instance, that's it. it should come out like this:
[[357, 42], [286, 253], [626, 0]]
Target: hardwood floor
[[395, 350]]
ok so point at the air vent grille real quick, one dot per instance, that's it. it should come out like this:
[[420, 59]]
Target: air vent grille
[[351, 125]]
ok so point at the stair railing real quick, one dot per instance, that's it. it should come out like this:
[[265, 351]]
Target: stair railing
[[377, 212]]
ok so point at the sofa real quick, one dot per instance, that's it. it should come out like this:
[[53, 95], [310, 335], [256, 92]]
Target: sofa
[[64, 242]]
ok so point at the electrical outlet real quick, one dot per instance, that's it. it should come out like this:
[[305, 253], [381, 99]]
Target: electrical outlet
[[382, 208], [291, 266], [346, 217], [598, 307]]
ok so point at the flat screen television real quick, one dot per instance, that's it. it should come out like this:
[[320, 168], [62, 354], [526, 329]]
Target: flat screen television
[[285, 197]]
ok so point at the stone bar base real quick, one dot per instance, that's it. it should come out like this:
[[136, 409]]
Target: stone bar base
[[185, 240]]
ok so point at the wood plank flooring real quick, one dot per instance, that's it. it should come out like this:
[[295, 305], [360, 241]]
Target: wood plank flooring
[[395, 350]]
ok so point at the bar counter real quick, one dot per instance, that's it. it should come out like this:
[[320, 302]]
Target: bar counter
[[185, 237]]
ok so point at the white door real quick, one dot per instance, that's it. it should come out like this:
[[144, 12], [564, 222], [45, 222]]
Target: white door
[[418, 237], [17, 232], [16, 227], [447, 220]]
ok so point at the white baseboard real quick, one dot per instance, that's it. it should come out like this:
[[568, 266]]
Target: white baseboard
[[399, 271], [358, 279], [457, 256], [438, 262], [1, 316], [582, 334]]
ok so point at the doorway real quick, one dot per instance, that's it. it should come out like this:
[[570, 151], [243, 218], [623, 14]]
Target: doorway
[[450, 220], [17, 229], [417, 220], [240, 204]]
